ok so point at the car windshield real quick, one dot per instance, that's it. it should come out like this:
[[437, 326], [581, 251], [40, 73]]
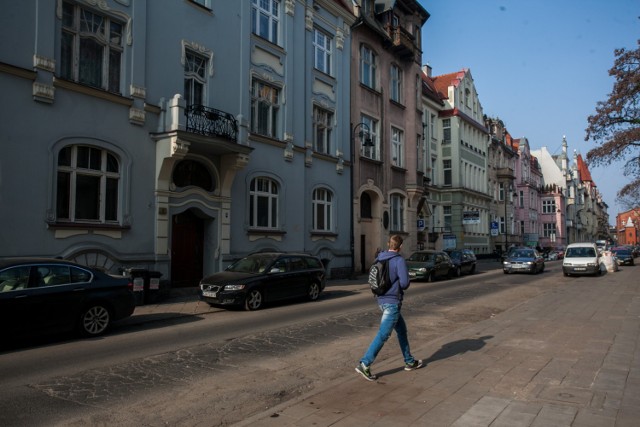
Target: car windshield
[[252, 264], [580, 253], [421, 257], [522, 254], [622, 252]]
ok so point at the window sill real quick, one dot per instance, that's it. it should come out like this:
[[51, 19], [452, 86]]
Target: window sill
[[324, 234], [270, 232], [85, 226]]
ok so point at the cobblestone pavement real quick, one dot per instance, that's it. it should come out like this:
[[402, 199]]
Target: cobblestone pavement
[[569, 357]]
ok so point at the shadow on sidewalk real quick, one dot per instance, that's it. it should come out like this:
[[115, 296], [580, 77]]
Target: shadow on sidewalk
[[458, 347]]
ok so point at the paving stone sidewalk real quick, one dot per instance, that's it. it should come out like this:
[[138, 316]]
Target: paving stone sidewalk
[[569, 357]]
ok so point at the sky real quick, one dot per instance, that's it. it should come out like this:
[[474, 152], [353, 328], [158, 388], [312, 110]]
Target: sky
[[541, 66]]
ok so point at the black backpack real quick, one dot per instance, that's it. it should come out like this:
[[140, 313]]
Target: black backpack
[[379, 280]]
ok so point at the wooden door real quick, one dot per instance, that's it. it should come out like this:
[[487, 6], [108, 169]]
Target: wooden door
[[187, 242]]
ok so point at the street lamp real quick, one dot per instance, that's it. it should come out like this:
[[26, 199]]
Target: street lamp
[[365, 132]]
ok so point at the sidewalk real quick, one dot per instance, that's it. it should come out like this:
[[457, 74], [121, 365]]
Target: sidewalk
[[570, 357]]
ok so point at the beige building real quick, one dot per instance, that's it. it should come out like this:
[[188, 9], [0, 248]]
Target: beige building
[[386, 124]]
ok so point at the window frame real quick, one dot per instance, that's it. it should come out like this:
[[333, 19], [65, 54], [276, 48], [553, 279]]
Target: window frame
[[262, 105], [195, 77], [108, 200], [322, 200], [323, 120], [395, 83], [397, 147], [447, 172], [322, 52], [261, 17], [549, 206], [269, 193], [75, 64], [368, 67], [397, 210], [372, 125]]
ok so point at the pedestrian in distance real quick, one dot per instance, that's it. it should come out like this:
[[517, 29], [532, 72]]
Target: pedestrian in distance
[[390, 304]]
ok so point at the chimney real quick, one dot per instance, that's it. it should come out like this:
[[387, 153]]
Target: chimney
[[426, 68]]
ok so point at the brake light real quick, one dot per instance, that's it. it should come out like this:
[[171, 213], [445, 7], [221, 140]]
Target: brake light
[[130, 285]]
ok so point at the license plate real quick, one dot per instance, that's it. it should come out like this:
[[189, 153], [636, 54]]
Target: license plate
[[517, 266], [579, 269], [209, 294]]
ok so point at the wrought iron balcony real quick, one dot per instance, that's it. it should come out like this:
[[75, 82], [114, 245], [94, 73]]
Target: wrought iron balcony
[[208, 121]]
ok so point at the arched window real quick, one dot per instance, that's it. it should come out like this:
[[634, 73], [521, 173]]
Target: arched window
[[263, 203], [88, 185], [322, 209], [192, 173]]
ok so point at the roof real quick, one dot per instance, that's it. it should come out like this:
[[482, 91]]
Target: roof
[[583, 169], [443, 81]]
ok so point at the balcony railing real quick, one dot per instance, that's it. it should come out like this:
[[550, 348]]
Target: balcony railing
[[208, 121], [403, 42]]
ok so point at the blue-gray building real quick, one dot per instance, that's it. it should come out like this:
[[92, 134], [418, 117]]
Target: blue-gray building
[[175, 136]]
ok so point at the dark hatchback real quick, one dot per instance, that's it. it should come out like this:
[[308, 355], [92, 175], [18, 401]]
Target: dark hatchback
[[464, 261], [429, 265], [39, 295], [263, 278], [523, 260], [624, 256]]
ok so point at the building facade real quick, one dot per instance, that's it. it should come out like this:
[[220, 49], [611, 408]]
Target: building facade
[[177, 148], [386, 127]]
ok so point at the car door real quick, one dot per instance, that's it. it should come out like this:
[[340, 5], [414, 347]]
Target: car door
[[63, 289], [15, 313], [279, 280]]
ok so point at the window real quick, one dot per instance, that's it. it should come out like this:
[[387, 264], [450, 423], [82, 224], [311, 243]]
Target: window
[[264, 109], [322, 130], [521, 198], [263, 203], [365, 206], [322, 51], [446, 210], [397, 147], [446, 168], [371, 152], [446, 131], [91, 48], [322, 207], [549, 229], [395, 91], [397, 212], [521, 227], [433, 125], [88, 182], [501, 192], [192, 173], [549, 206], [195, 67], [265, 19], [367, 67]]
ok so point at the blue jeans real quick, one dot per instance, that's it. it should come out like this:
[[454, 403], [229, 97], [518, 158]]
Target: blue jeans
[[391, 319]]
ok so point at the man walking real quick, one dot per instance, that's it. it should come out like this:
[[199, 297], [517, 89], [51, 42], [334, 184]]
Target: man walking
[[390, 304]]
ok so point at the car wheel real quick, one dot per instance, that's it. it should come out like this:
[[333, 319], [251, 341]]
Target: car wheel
[[431, 277], [457, 272], [95, 320], [566, 274], [505, 271], [253, 300], [314, 292]]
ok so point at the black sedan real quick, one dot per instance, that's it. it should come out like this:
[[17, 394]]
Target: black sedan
[[42, 295], [624, 256], [464, 261], [265, 277], [523, 260]]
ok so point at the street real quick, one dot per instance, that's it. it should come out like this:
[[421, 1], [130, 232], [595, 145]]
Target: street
[[220, 367]]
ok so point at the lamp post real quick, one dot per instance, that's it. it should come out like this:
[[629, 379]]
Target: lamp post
[[364, 131]]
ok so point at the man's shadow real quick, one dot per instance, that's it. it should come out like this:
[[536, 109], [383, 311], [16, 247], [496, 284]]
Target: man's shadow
[[448, 350], [458, 347]]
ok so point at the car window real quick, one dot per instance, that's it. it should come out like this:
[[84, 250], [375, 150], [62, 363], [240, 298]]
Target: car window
[[52, 275], [297, 264], [280, 266], [79, 276], [14, 278], [313, 262], [251, 264]]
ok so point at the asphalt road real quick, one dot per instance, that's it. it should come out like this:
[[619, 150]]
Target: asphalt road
[[104, 380]]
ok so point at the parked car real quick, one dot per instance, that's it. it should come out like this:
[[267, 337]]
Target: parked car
[[464, 261], [559, 251], [262, 278], [429, 265], [624, 255], [581, 258], [523, 260], [43, 295]]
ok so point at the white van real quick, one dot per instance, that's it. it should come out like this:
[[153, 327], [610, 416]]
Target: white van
[[581, 258]]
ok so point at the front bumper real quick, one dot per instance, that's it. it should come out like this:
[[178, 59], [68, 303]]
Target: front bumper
[[581, 269]]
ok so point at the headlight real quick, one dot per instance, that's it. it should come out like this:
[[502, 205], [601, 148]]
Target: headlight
[[530, 262], [422, 270], [233, 287]]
